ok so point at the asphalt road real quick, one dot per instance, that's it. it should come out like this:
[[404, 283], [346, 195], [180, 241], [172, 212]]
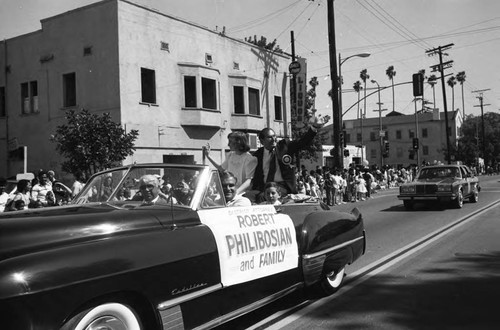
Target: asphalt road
[[430, 268]]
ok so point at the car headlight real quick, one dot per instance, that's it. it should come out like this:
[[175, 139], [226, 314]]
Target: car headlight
[[407, 189], [444, 188]]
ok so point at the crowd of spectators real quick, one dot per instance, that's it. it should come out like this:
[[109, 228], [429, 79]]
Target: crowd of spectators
[[43, 190], [356, 183]]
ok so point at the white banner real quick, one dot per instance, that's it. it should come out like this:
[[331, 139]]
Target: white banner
[[253, 242]]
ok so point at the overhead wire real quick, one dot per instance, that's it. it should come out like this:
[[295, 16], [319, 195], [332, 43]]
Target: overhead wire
[[262, 19]]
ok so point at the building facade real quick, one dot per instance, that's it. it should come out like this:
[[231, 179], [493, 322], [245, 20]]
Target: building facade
[[393, 145], [179, 84]]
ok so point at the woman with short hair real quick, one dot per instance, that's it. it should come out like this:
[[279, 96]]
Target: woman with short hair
[[239, 161]]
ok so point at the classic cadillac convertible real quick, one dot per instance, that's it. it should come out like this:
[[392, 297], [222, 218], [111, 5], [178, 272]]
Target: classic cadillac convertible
[[111, 261], [441, 183]]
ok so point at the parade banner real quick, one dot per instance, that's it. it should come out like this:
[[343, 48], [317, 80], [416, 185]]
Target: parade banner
[[253, 242]]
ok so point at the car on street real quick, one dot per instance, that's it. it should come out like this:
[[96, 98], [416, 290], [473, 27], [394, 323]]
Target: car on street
[[112, 259], [443, 184]]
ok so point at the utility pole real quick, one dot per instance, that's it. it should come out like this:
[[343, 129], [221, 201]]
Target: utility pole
[[416, 128], [440, 67], [293, 94], [337, 113], [483, 141]]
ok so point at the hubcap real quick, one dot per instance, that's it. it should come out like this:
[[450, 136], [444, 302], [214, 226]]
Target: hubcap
[[106, 323]]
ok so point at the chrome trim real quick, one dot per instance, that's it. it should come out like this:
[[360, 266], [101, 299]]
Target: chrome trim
[[190, 296], [337, 247], [248, 308]]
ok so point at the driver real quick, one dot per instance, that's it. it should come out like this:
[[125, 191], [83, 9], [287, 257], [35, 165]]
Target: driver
[[149, 191]]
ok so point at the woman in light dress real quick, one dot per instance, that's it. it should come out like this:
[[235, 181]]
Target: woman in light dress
[[239, 161]]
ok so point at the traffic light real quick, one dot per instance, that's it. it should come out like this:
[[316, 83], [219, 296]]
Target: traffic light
[[345, 141], [385, 154], [346, 152], [418, 84], [415, 143]]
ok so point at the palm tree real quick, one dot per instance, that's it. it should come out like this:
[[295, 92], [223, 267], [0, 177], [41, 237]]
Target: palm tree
[[391, 73], [432, 80], [461, 79], [364, 76], [357, 88], [452, 81]]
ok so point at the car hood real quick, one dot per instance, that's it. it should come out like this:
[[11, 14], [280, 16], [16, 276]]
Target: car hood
[[40, 229]]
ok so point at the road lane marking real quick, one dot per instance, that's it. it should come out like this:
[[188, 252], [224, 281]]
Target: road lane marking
[[292, 314]]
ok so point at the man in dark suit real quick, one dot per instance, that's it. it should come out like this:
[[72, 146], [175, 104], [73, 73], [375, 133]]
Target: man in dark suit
[[274, 159]]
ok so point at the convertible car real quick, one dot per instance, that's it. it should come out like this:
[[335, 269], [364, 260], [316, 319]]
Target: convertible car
[[110, 261], [443, 184]]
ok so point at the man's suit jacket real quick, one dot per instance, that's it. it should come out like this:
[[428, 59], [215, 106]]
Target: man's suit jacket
[[285, 150]]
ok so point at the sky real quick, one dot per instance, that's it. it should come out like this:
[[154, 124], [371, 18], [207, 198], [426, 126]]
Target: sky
[[393, 32]]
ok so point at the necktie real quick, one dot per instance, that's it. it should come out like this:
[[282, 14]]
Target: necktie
[[272, 166]]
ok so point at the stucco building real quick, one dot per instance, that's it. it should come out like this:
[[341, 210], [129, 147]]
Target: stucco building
[[180, 84]]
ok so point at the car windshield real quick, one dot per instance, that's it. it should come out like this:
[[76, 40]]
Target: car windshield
[[176, 185], [439, 173]]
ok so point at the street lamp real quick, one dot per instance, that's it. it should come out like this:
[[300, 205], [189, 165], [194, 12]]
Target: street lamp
[[341, 61], [380, 124]]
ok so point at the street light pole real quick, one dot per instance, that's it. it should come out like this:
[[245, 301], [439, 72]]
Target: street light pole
[[381, 145], [341, 61]]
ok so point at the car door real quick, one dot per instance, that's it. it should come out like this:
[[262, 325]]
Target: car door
[[465, 181], [257, 248]]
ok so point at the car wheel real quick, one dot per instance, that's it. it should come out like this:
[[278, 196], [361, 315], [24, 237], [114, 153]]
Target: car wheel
[[459, 201], [408, 205], [332, 281], [111, 316], [475, 196]]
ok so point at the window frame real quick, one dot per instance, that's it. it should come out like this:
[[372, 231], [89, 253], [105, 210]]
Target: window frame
[[69, 90], [148, 86]]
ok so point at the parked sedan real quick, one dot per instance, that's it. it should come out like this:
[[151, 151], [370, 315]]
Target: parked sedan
[[110, 260], [443, 184]]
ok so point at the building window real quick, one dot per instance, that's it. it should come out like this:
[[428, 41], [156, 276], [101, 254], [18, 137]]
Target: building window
[[347, 138], [411, 133], [25, 98], [373, 136], [358, 137], [254, 101], [373, 153], [278, 112], [209, 93], [424, 132], [148, 86], [398, 134], [29, 97], [190, 91], [69, 89], [3, 112], [239, 99], [399, 152], [425, 150]]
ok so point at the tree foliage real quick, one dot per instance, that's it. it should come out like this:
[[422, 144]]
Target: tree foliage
[[91, 143], [469, 144], [262, 42]]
